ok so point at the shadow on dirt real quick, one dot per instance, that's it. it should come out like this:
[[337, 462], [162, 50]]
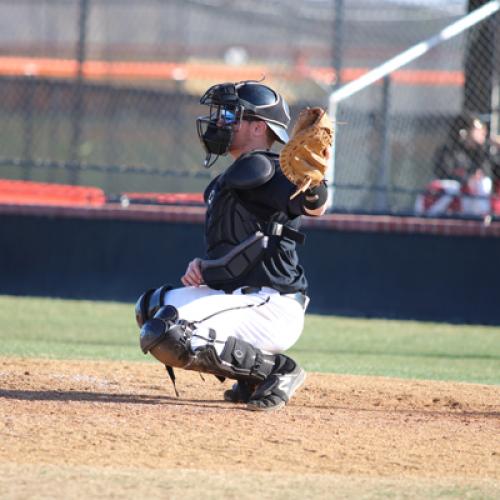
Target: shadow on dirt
[[451, 411], [117, 398], [148, 399]]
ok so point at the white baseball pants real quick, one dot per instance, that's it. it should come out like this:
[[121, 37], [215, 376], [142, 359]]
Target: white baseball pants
[[265, 319]]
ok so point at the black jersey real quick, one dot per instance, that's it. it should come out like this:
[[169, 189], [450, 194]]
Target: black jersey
[[235, 214]]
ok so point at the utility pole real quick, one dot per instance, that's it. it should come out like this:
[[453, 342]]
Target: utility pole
[[479, 63]]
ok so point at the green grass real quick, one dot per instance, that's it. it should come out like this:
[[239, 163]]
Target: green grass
[[66, 329], [406, 349]]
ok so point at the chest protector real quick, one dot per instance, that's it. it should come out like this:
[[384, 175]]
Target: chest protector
[[228, 223], [236, 238]]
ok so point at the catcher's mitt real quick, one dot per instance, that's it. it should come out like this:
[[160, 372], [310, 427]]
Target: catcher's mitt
[[304, 158]]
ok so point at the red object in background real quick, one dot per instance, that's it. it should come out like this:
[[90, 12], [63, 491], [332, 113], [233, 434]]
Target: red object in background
[[441, 197], [495, 198], [164, 198], [450, 197], [41, 193]]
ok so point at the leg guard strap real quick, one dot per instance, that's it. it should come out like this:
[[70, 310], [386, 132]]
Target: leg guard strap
[[239, 360], [244, 359], [168, 339]]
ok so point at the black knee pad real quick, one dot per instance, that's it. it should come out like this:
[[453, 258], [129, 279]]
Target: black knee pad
[[149, 302], [165, 339], [154, 330]]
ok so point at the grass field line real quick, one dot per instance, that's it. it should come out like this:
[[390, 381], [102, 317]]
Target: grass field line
[[20, 481]]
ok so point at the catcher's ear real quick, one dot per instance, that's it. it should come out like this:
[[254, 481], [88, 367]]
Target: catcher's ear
[[260, 127]]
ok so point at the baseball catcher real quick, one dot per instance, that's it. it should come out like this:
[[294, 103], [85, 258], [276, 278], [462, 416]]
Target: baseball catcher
[[243, 303]]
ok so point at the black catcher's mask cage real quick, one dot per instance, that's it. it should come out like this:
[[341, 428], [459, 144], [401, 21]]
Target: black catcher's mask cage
[[232, 102]]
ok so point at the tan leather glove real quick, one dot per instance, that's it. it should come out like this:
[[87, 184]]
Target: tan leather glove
[[304, 159]]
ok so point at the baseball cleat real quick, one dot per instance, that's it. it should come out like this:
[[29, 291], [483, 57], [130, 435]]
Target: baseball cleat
[[275, 392], [240, 392]]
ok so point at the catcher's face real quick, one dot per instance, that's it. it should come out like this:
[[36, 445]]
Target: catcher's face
[[215, 130], [227, 129]]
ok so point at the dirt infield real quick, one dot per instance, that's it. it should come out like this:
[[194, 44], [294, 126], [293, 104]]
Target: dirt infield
[[82, 429]]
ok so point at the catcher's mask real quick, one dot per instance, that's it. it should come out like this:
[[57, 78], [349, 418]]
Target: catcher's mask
[[230, 103]]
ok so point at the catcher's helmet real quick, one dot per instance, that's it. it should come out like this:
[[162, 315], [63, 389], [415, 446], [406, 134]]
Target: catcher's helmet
[[233, 102]]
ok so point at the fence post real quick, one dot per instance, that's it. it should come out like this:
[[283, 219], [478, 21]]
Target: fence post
[[29, 90], [479, 65], [338, 35], [78, 91], [382, 198], [495, 97]]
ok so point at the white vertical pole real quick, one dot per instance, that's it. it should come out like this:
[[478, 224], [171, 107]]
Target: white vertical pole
[[330, 172]]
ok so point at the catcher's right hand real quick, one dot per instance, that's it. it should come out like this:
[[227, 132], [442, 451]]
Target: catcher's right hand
[[304, 159], [193, 276]]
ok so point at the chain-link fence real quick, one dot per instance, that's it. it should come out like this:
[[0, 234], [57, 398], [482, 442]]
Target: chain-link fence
[[430, 126], [105, 92]]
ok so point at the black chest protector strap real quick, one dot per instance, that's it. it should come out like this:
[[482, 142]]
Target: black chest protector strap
[[236, 262], [284, 231], [253, 170]]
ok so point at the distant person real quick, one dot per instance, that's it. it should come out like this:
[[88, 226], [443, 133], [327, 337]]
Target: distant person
[[466, 150], [494, 148]]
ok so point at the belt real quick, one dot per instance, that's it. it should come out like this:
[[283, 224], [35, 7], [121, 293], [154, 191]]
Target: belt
[[299, 297]]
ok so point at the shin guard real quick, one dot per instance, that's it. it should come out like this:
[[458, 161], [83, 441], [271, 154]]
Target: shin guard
[[238, 360]]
